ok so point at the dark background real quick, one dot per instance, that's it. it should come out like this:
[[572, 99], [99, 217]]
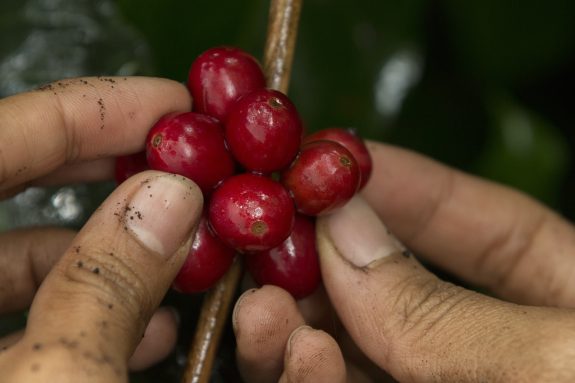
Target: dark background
[[485, 86]]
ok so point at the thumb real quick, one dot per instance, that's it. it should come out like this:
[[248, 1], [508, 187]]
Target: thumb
[[91, 311], [419, 328]]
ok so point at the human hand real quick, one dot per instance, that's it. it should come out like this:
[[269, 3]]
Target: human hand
[[95, 304], [398, 317]]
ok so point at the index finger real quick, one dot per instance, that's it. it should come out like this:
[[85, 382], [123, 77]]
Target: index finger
[[80, 119], [485, 233]]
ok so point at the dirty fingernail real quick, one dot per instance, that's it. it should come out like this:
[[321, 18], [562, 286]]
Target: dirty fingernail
[[162, 213], [359, 235]]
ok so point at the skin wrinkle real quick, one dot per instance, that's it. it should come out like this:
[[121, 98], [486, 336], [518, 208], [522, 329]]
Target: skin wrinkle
[[314, 361], [67, 123], [517, 254], [436, 307], [424, 321], [484, 261], [112, 278], [9, 114], [414, 306], [314, 350]]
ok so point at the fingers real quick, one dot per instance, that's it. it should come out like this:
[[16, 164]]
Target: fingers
[[312, 356], [80, 172], [273, 342], [263, 320], [26, 257], [158, 342], [92, 309], [485, 233], [419, 328], [80, 119]]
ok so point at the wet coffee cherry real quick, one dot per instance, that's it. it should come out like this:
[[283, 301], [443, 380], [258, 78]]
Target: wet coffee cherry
[[322, 178], [128, 165], [238, 124], [264, 131], [352, 142], [192, 145], [219, 76], [208, 260], [293, 265], [251, 212]]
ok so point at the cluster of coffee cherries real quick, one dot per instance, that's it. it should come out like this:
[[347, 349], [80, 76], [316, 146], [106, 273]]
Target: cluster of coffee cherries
[[263, 180]]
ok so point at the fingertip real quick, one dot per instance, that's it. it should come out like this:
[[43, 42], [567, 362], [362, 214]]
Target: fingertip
[[313, 356], [263, 321], [162, 211], [270, 307]]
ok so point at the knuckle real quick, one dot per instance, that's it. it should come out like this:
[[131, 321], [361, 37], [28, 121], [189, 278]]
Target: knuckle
[[103, 274], [425, 305]]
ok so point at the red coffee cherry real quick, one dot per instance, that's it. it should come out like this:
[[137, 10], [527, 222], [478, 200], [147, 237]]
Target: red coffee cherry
[[219, 76], [352, 142], [322, 178], [128, 165], [293, 265], [251, 212], [192, 145], [264, 131], [208, 260]]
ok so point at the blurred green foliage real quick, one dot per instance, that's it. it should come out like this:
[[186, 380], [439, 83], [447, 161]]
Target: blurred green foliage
[[456, 57]]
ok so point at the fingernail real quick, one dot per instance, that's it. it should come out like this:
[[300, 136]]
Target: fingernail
[[359, 235], [300, 331], [162, 213]]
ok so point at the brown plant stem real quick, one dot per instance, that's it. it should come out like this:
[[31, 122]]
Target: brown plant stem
[[280, 45], [213, 315], [278, 56]]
